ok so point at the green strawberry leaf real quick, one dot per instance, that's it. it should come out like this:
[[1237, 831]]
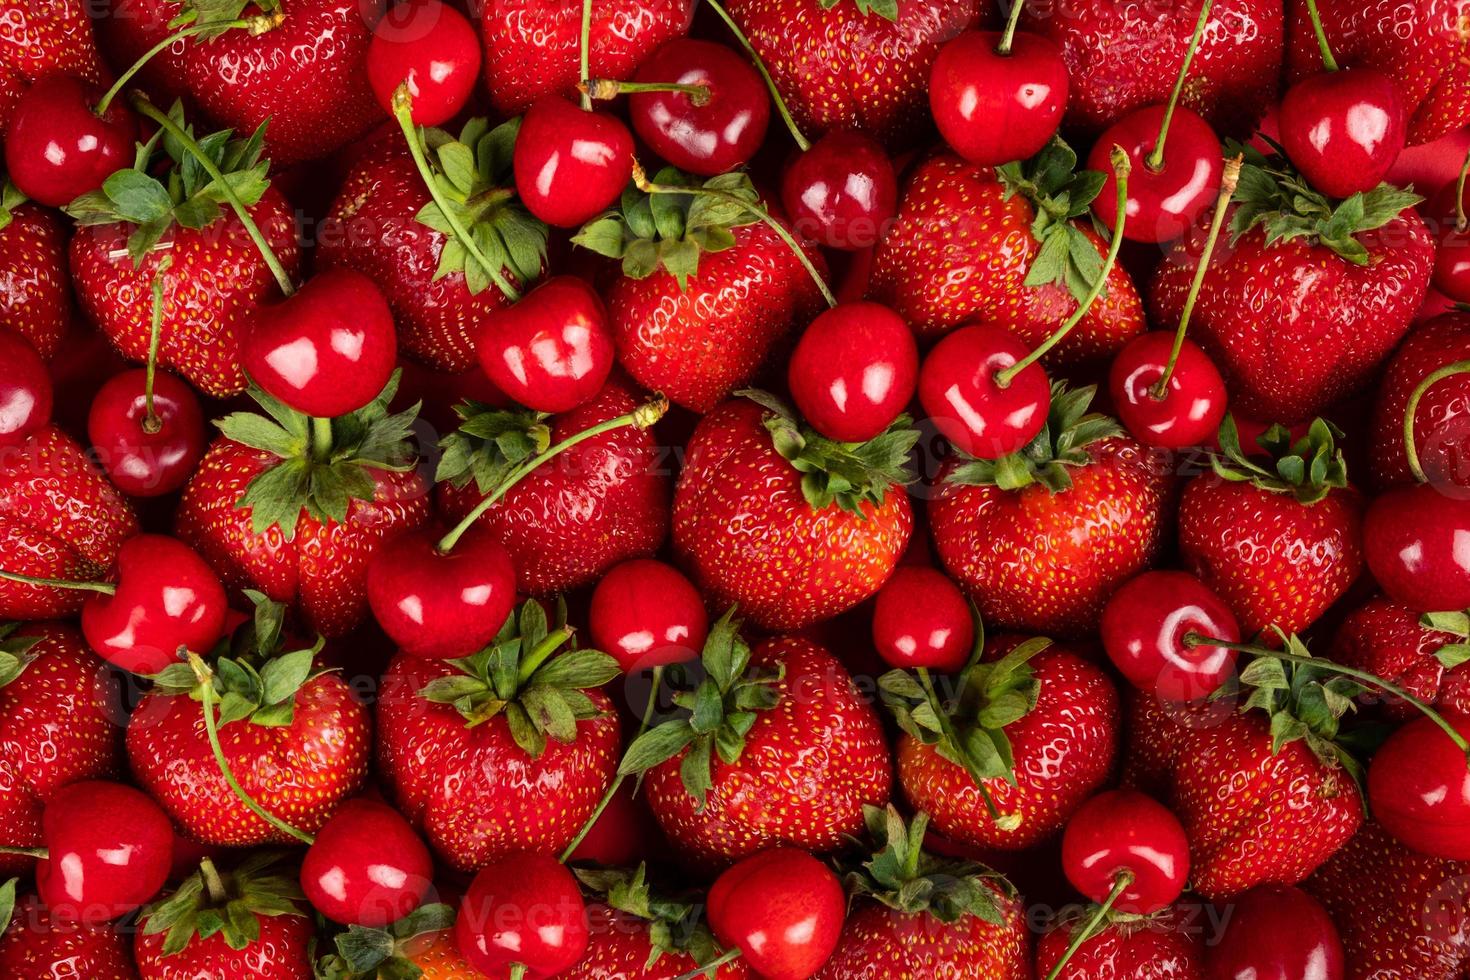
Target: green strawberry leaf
[[887, 9], [383, 954], [1309, 469], [489, 444], [229, 904], [1046, 460], [1060, 194], [675, 922]]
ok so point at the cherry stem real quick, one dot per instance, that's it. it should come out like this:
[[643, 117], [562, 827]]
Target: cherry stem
[[643, 417], [1328, 62], [104, 588], [1121, 884], [151, 422], [148, 109], [1122, 167], [518, 971], [617, 783], [802, 143], [1228, 181], [1411, 451], [648, 187], [729, 957], [214, 885], [30, 852], [1460, 221], [256, 25], [1155, 160], [967, 762], [1008, 37], [321, 438], [603, 89], [584, 54], [403, 113], [205, 677]]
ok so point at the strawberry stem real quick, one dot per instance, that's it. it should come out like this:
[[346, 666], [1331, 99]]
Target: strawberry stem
[[213, 883], [1008, 37], [603, 89], [256, 25], [802, 143], [1120, 884], [151, 423], [1328, 62], [1411, 451], [584, 54], [966, 761], [1155, 161], [321, 438], [104, 588], [729, 957]]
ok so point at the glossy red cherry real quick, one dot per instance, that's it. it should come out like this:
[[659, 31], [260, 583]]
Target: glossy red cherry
[[551, 351], [147, 456], [993, 107], [709, 133], [854, 371], [1163, 201], [921, 619], [25, 390], [1124, 832], [108, 851], [1416, 541], [570, 164], [523, 909], [57, 148], [1452, 263], [367, 867], [1343, 129], [1144, 627], [647, 614], [842, 192], [441, 604], [960, 393], [1277, 933], [326, 351], [782, 908], [1419, 788], [434, 50], [1194, 401]]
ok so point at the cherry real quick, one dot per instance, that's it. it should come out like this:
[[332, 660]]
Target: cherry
[[57, 148], [108, 847], [853, 371], [1416, 541], [148, 450], [960, 392], [1169, 189], [1194, 400], [1277, 933], [366, 867], [1144, 626], [1452, 259], [622, 835], [1419, 787], [523, 910], [25, 390], [434, 50], [921, 619], [1124, 849], [780, 910], [570, 164], [551, 351], [842, 192], [647, 614], [1343, 129]]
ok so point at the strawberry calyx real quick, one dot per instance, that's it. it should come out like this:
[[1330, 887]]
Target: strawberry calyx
[[1450, 656], [7, 903], [887, 9], [384, 954], [1060, 194], [222, 13], [11, 198], [490, 444], [675, 927], [229, 904], [15, 652], [520, 676], [1309, 468], [1048, 458]]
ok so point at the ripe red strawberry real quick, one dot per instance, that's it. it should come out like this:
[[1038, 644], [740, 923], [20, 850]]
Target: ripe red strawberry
[[600, 502], [59, 518], [504, 751], [793, 527], [384, 226], [1279, 539], [1299, 308], [1041, 539], [1441, 429], [38, 947], [787, 752], [56, 726], [1161, 947], [40, 39], [1391, 641], [1038, 723], [298, 516], [972, 243], [33, 277], [707, 289], [175, 228]]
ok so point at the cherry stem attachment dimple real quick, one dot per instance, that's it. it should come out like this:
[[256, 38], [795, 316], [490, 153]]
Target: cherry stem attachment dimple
[[1411, 451], [802, 143], [1155, 160], [1328, 62], [1121, 884], [730, 956], [104, 588], [603, 89], [1008, 37], [256, 25], [1004, 822], [151, 422]]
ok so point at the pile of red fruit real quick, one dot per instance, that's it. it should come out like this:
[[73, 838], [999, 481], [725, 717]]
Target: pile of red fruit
[[651, 489]]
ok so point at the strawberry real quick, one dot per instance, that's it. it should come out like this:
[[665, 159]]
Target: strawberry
[[598, 503], [917, 916], [437, 956], [1420, 654], [1158, 947], [33, 276], [776, 746], [1338, 283], [295, 738], [1038, 724], [36, 946], [1280, 540], [1041, 539], [296, 507], [793, 526], [40, 39], [419, 945], [384, 225], [175, 228], [504, 751], [1011, 246], [1439, 419], [706, 288], [59, 518]]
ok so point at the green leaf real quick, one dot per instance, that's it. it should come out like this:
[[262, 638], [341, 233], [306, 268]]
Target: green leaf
[[137, 197], [657, 745], [283, 676]]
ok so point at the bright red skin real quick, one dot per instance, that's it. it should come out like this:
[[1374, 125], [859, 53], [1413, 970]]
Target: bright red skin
[[35, 293], [1277, 933], [300, 772], [853, 371], [921, 619], [215, 283], [960, 251], [739, 502], [431, 47], [783, 909], [283, 952], [25, 390], [322, 570], [1193, 406], [1411, 540], [41, 40], [37, 945], [623, 835], [1163, 948], [523, 909], [1440, 433], [571, 164], [1323, 343], [1162, 203], [1419, 788], [109, 849], [142, 463], [647, 614], [810, 766], [59, 518], [1343, 129], [993, 108], [367, 866], [1385, 639], [963, 398], [57, 148], [1452, 264], [619, 948], [918, 946], [552, 351], [843, 192], [600, 502], [1124, 831], [720, 135], [439, 605], [1144, 626]]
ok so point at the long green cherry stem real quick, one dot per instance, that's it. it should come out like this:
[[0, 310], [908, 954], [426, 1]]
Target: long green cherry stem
[[1328, 62], [103, 588], [709, 968], [802, 143], [1460, 221], [1411, 450], [967, 762], [256, 26], [1008, 36], [151, 423], [1120, 885], [584, 55], [602, 89], [1155, 160]]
